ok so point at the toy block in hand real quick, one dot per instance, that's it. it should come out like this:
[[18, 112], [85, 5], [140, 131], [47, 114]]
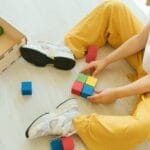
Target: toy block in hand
[[87, 91], [91, 81], [77, 88], [1, 31], [26, 88], [84, 85], [91, 53], [81, 77]]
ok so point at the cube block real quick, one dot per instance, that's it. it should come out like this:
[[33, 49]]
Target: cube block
[[26, 88], [91, 81], [67, 143], [84, 85], [56, 144], [91, 53], [87, 91], [81, 77], [77, 88]]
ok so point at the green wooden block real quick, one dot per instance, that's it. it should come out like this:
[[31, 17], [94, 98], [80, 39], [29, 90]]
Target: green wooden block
[[82, 77], [1, 30]]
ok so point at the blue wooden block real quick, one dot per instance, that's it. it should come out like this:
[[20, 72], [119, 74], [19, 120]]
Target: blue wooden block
[[56, 144], [26, 88], [87, 91]]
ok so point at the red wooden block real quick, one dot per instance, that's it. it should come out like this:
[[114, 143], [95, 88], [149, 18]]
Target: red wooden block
[[67, 143], [91, 54], [77, 88]]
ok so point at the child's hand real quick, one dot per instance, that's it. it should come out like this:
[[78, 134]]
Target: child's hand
[[95, 67], [106, 96]]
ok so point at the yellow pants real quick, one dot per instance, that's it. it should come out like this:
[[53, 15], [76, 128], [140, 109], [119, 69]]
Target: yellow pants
[[114, 23]]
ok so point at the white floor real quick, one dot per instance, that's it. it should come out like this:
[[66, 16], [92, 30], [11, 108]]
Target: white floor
[[49, 20]]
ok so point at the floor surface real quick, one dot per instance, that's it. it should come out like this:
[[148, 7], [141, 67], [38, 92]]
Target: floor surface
[[50, 20]]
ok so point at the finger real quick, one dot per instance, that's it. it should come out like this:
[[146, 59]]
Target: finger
[[97, 91], [89, 71], [87, 67], [95, 73], [92, 70], [93, 99]]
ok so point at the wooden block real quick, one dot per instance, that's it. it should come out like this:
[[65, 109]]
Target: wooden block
[[91, 53], [26, 88], [81, 77], [67, 143], [91, 81], [87, 91], [77, 88], [56, 144]]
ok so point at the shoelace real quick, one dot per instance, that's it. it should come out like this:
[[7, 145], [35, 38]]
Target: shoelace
[[61, 126], [55, 47]]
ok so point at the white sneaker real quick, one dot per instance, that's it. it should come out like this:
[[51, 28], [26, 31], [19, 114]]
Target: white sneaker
[[43, 53], [58, 123]]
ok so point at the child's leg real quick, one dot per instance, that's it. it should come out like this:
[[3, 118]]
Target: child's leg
[[111, 22], [118, 132], [115, 132]]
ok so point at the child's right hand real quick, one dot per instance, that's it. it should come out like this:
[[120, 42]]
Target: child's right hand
[[95, 67]]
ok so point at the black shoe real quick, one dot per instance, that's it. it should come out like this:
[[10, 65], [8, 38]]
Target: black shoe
[[45, 53]]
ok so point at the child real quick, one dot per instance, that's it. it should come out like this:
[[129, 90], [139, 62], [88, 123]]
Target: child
[[114, 23]]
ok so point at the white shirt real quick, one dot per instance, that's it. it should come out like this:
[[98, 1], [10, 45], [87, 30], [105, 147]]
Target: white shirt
[[146, 58]]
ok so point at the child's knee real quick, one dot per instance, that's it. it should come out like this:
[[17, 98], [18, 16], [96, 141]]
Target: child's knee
[[117, 4]]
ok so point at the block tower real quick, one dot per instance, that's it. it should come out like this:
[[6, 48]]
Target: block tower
[[84, 85]]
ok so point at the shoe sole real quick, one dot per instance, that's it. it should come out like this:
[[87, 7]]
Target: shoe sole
[[39, 59]]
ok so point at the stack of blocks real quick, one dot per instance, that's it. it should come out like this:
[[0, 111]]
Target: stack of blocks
[[84, 85], [26, 88], [64, 143]]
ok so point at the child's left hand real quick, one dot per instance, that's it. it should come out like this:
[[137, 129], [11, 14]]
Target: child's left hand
[[105, 96]]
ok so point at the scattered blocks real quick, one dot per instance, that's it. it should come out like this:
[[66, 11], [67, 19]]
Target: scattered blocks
[[84, 85], [64, 143], [1, 31], [26, 88], [91, 53]]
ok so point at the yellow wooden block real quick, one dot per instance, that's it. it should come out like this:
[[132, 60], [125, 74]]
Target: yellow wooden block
[[91, 81]]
